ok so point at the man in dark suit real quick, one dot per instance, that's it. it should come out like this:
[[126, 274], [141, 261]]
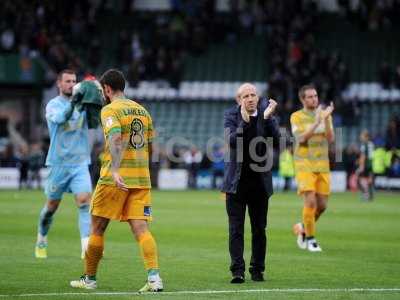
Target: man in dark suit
[[250, 131]]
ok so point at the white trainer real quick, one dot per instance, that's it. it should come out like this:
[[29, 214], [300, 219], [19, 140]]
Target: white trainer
[[84, 283], [312, 245], [298, 230], [154, 284]]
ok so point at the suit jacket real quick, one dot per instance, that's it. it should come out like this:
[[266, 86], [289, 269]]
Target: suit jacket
[[235, 128]]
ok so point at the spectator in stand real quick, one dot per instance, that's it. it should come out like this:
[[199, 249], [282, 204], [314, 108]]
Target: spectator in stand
[[158, 160], [188, 160], [192, 158], [176, 157], [176, 70], [364, 171], [377, 15], [7, 157], [397, 77], [205, 163], [393, 134], [23, 166], [293, 56], [344, 7], [394, 169], [94, 58], [217, 166], [378, 159], [286, 166], [7, 38], [45, 23], [350, 156], [385, 75], [36, 162]]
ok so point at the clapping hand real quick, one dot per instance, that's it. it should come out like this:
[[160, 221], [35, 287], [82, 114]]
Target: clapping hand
[[323, 114], [270, 108], [327, 111]]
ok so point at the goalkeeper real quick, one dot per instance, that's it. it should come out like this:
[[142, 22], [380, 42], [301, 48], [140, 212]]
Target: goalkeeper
[[68, 157]]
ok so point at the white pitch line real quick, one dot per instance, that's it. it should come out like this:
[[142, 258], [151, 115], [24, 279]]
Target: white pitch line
[[294, 290]]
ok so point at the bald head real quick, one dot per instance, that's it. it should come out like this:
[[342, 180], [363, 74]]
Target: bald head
[[244, 87], [247, 95]]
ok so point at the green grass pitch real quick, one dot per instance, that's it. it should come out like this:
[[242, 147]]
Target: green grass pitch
[[361, 243]]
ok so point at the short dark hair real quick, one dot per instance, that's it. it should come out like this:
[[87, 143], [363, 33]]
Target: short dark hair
[[114, 79], [65, 71], [304, 88]]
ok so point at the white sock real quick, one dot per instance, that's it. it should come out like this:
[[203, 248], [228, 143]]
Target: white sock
[[41, 239], [153, 277], [84, 244]]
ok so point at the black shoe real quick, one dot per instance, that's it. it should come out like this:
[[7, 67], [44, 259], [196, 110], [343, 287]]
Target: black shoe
[[257, 276], [237, 279]]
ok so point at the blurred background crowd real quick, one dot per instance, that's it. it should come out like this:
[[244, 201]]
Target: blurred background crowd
[[280, 44]]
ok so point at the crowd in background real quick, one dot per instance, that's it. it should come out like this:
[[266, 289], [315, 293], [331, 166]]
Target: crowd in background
[[294, 57], [389, 76], [28, 159], [385, 161], [68, 35], [371, 15], [155, 47], [375, 16], [53, 30], [386, 154]]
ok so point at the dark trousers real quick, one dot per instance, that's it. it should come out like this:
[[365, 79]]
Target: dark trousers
[[254, 197]]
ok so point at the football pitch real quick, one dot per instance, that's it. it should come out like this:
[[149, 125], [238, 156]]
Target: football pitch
[[360, 258]]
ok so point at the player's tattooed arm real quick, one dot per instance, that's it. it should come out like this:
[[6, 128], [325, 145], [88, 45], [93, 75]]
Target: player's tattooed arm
[[115, 142], [116, 150]]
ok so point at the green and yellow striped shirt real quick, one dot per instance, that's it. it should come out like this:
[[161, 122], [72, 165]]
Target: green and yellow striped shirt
[[312, 156], [136, 127]]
